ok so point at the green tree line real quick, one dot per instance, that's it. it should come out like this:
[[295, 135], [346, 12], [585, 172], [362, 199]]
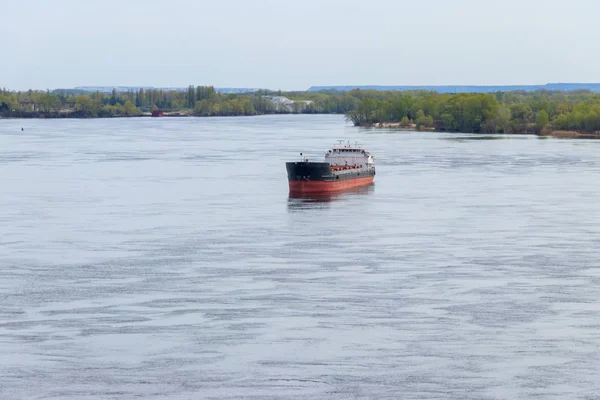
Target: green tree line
[[61, 104], [501, 112], [199, 100]]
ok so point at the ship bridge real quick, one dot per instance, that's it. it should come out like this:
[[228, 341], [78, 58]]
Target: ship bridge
[[349, 155]]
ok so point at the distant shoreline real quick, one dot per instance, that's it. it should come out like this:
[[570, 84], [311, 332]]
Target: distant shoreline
[[195, 101], [573, 114], [172, 114]]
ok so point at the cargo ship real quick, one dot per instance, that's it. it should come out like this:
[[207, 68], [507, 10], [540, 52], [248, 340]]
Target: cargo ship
[[345, 167]]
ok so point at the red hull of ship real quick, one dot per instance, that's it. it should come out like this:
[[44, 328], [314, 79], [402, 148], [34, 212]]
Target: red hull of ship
[[313, 187]]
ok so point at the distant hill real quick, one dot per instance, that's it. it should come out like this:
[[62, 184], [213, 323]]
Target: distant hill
[[594, 87]]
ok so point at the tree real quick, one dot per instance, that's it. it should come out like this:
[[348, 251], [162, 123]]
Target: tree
[[542, 120], [139, 98], [423, 120], [191, 96], [87, 106], [131, 110], [561, 122], [202, 108], [499, 123]]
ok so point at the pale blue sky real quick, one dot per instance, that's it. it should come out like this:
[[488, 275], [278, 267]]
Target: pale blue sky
[[293, 44]]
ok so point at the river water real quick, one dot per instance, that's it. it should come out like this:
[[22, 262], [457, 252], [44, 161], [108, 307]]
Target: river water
[[162, 258]]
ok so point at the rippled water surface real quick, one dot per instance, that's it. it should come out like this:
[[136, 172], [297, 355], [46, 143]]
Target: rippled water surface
[[162, 258]]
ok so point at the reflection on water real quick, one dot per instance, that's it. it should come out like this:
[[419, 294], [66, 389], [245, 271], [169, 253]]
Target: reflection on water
[[486, 137], [298, 201]]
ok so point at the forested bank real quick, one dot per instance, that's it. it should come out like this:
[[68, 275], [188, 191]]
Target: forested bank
[[510, 112], [196, 101], [502, 112]]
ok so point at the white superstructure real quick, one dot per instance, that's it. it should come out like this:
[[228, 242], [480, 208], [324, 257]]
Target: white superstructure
[[349, 155]]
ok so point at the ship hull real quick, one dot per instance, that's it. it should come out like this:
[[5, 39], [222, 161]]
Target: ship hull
[[316, 187], [317, 177]]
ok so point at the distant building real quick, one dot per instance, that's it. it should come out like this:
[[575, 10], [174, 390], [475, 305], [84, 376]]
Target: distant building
[[284, 104]]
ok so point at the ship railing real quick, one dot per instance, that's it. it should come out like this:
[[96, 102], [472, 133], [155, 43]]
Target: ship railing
[[347, 167]]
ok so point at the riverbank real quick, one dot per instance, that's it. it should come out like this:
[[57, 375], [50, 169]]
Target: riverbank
[[519, 113], [180, 113], [402, 126], [572, 114], [572, 134], [196, 101], [546, 132]]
